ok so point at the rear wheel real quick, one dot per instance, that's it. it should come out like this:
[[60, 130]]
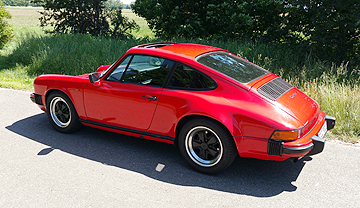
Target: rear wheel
[[61, 113], [206, 145]]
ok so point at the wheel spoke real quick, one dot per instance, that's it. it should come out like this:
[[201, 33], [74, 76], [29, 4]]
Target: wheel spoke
[[63, 106], [62, 118], [212, 140], [213, 152], [57, 106], [196, 144], [201, 136], [202, 153]]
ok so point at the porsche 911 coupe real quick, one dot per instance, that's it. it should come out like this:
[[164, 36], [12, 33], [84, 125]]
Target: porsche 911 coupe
[[211, 104]]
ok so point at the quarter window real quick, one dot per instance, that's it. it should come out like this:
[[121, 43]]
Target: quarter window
[[187, 78]]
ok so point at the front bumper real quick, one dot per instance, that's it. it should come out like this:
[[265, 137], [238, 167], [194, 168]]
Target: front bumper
[[35, 98], [316, 145]]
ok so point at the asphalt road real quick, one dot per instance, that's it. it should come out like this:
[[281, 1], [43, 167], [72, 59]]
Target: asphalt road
[[40, 167]]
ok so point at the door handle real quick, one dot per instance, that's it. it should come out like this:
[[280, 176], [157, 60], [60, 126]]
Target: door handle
[[154, 98]]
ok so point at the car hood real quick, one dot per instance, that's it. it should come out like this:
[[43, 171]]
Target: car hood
[[287, 98]]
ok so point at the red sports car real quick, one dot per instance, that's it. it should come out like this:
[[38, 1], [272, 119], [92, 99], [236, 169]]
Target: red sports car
[[211, 104]]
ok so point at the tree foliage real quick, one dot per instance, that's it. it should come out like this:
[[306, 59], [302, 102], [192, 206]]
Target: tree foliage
[[6, 31], [86, 17], [329, 28], [212, 18]]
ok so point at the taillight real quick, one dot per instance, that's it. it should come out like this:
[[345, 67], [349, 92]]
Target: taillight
[[286, 135], [295, 134]]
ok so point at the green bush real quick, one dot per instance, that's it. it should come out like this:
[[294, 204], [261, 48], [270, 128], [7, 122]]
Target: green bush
[[6, 31]]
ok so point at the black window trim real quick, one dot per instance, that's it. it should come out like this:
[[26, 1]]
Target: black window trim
[[112, 66], [127, 66], [105, 78], [167, 79]]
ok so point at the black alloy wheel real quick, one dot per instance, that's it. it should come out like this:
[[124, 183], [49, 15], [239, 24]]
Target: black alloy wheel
[[206, 145], [61, 113]]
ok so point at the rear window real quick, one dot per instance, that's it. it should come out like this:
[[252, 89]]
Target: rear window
[[232, 66]]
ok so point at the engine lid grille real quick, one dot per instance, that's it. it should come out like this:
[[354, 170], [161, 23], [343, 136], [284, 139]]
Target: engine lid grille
[[274, 89]]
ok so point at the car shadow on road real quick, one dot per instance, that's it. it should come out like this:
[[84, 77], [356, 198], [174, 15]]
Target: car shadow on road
[[245, 176]]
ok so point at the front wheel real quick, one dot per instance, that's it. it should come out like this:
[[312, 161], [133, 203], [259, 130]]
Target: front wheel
[[207, 146], [61, 113]]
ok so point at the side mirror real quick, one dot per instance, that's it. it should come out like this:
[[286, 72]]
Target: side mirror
[[94, 77]]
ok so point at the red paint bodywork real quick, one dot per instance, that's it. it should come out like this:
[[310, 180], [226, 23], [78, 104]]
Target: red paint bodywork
[[249, 117]]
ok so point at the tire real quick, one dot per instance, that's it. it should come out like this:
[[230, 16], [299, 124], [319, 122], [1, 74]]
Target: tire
[[61, 113], [206, 146]]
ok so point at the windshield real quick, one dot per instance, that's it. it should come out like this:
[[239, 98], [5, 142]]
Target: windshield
[[232, 66], [106, 70]]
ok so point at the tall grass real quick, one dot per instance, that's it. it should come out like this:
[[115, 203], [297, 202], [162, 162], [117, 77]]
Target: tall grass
[[340, 100], [65, 54], [336, 88]]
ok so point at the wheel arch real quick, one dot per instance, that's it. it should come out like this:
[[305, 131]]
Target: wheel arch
[[187, 118], [79, 110], [67, 94], [49, 92]]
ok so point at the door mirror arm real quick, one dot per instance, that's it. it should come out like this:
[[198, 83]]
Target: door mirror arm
[[94, 77]]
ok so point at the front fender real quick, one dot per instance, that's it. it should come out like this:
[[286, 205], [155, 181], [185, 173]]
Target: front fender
[[72, 86]]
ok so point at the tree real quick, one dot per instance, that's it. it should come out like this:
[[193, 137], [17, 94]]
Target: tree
[[212, 18], [6, 31], [86, 17], [331, 28], [122, 26]]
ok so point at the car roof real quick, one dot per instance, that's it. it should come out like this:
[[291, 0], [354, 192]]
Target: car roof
[[185, 49]]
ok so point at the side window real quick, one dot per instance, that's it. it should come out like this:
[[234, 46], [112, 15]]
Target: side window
[[118, 72], [147, 70], [188, 78]]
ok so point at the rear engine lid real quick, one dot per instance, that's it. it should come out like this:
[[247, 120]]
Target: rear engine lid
[[289, 99]]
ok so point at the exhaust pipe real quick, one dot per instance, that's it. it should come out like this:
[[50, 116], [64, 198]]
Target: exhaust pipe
[[294, 159]]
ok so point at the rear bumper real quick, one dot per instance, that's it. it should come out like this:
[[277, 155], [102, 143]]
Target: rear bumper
[[319, 142], [316, 145]]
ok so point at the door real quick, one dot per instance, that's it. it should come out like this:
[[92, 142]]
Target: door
[[128, 96]]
